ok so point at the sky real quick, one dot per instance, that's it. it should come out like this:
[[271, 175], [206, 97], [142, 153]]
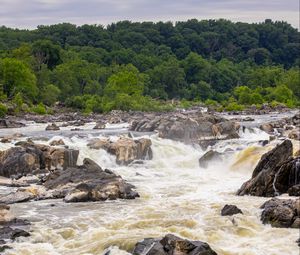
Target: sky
[[31, 13]]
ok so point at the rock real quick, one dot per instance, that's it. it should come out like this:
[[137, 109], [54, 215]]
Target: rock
[[57, 142], [294, 134], [99, 144], [274, 174], [248, 119], [88, 183], [126, 150], [209, 156], [28, 158], [190, 128], [229, 210], [172, 245], [16, 197], [10, 233], [267, 127], [281, 213], [204, 144], [294, 190], [99, 125], [52, 127], [10, 124], [5, 214]]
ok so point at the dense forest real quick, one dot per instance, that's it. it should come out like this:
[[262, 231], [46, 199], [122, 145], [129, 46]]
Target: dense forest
[[143, 66]]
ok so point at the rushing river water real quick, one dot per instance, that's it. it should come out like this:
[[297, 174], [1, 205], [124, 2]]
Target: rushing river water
[[177, 196]]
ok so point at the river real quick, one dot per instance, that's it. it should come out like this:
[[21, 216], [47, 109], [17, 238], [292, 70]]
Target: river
[[177, 196]]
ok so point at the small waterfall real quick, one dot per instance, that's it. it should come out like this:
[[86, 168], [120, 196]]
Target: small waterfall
[[276, 193]]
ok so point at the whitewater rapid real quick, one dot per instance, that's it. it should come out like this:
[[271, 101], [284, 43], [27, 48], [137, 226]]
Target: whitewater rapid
[[177, 196]]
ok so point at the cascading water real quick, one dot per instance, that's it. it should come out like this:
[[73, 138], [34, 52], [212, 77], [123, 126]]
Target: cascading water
[[177, 196]]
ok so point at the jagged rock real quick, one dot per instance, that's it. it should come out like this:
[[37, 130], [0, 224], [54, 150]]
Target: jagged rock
[[229, 210], [16, 197], [5, 214], [172, 245], [267, 127], [57, 142], [10, 124], [274, 174], [209, 156], [99, 125], [187, 128], [29, 157], [88, 183], [126, 150], [52, 127], [281, 213]]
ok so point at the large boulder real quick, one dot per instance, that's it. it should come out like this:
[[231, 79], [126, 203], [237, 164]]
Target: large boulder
[[172, 245], [88, 182], [281, 213], [28, 157], [274, 174], [126, 150], [189, 129]]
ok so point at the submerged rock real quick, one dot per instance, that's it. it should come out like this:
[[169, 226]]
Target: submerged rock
[[229, 210], [57, 142], [274, 174], [281, 213], [126, 150], [99, 125], [172, 245], [209, 156]]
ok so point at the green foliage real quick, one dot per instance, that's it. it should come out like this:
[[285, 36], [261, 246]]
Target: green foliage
[[3, 110], [131, 65], [234, 106], [39, 109]]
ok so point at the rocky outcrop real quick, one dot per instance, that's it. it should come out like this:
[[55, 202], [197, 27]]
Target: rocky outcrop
[[274, 174], [57, 142], [126, 150], [88, 183], [10, 124], [229, 210], [52, 127], [281, 213], [209, 156], [172, 245], [29, 157], [189, 128]]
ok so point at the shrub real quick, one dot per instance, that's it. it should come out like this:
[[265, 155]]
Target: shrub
[[3, 110], [39, 109]]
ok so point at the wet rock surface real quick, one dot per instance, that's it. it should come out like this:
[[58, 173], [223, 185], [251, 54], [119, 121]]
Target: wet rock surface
[[275, 173], [281, 213], [208, 157], [29, 157], [52, 127], [187, 128], [125, 149], [4, 123], [229, 210], [172, 245]]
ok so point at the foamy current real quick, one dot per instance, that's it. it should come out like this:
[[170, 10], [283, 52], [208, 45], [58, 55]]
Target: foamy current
[[177, 196]]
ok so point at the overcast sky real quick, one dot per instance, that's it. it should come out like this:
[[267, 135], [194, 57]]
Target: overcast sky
[[30, 13]]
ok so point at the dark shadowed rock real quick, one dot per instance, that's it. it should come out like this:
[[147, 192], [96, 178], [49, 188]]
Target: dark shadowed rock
[[172, 245], [229, 210], [274, 174], [294, 190], [281, 213], [209, 156]]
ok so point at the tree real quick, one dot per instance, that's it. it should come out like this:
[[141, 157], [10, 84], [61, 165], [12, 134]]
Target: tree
[[16, 77]]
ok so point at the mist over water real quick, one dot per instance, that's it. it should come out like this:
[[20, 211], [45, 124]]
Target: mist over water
[[177, 196]]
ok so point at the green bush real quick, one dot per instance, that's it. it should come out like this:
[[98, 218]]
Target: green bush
[[3, 110], [234, 106], [39, 109]]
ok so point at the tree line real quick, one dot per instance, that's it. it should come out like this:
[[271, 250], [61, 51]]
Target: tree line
[[142, 65]]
